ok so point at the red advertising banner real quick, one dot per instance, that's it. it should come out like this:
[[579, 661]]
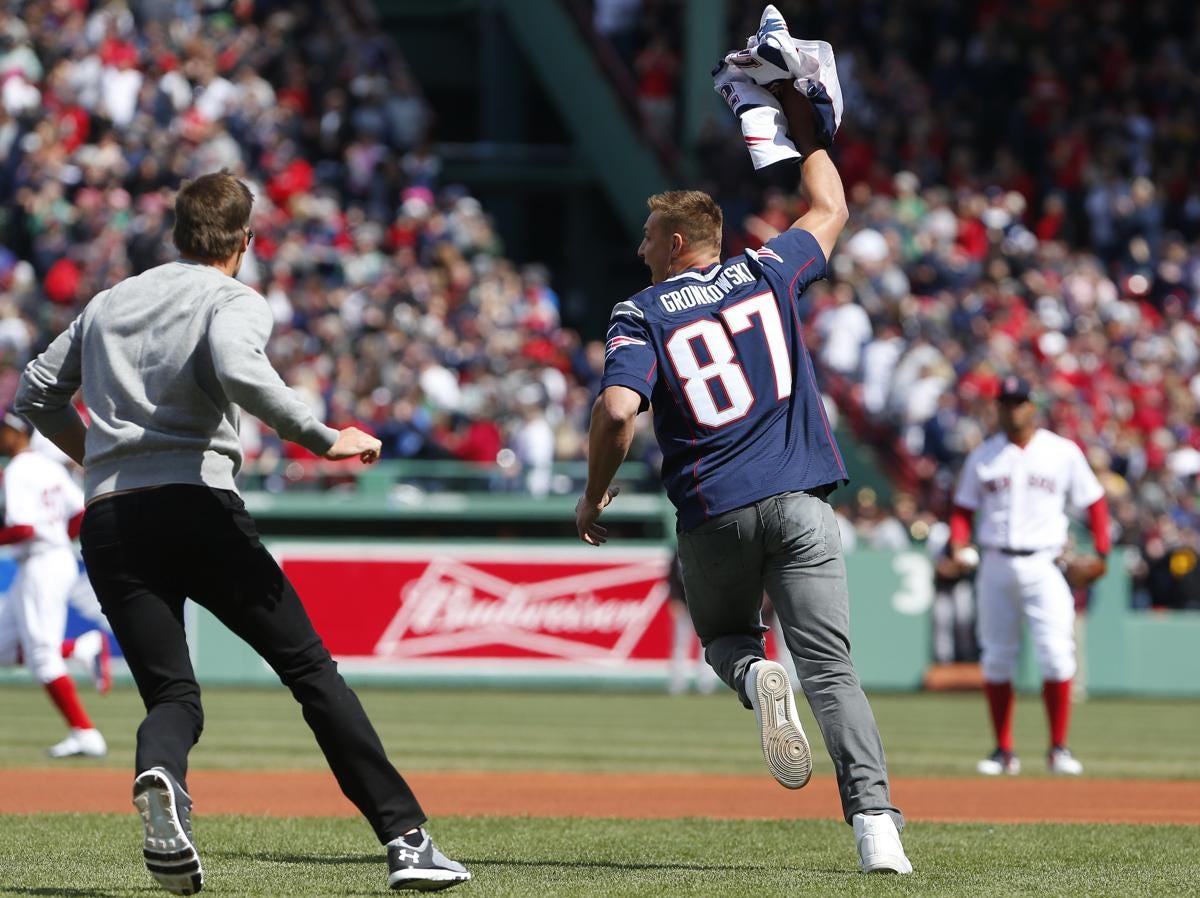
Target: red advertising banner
[[512, 608]]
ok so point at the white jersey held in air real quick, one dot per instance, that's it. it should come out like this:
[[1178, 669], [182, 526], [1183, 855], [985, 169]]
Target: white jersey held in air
[[39, 492], [1020, 495]]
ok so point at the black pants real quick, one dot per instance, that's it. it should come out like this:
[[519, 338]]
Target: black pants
[[146, 552]]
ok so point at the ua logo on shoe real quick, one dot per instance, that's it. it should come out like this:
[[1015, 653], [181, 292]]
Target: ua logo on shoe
[[411, 856]]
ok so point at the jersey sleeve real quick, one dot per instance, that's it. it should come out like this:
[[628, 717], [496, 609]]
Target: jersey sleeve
[[967, 494], [22, 495], [630, 359], [792, 259], [1084, 488]]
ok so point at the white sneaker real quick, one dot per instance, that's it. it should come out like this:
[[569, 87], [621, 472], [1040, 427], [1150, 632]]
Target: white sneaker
[[168, 848], [422, 867], [1061, 761], [80, 743], [784, 744], [999, 762], [879, 848], [92, 649]]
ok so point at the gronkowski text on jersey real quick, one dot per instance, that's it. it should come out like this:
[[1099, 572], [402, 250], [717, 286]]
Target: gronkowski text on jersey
[[719, 354]]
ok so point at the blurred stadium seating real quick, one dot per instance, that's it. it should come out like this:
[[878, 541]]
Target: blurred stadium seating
[[1025, 189]]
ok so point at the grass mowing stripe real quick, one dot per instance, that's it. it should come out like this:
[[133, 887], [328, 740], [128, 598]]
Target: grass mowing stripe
[[520, 857], [925, 734]]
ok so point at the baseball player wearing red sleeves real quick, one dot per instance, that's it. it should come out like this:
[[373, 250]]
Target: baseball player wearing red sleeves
[[42, 508], [1018, 484]]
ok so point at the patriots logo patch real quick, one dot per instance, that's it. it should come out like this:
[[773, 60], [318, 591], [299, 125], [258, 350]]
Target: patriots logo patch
[[627, 307], [622, 340], [767, 253]]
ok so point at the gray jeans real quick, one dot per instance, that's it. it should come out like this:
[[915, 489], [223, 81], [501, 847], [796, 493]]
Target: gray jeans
[[789, 546]]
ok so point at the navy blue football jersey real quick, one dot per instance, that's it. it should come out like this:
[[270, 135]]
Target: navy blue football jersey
[[719, 355]]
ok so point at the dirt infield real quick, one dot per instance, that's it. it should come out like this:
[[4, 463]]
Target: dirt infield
[[314, 793]]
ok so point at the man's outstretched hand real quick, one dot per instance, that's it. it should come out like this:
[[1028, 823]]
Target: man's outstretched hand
[[351, 442]]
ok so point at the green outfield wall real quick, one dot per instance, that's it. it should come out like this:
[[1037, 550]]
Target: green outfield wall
[[492, 637], [410, 581]]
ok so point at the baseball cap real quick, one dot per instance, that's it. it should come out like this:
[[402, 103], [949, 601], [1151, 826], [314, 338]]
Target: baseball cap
[[1014, 388], [16, 421]]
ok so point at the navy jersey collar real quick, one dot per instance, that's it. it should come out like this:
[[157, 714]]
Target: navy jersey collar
[[698, 274]]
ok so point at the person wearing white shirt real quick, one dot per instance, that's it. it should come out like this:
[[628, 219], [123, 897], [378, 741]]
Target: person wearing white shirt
[[42, 510], [1017, 485], [845, 329]]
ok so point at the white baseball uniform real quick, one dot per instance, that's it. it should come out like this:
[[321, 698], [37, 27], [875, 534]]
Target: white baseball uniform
[[1020, 498], [39, 493]]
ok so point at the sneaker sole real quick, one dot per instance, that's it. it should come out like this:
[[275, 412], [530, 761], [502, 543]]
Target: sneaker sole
[[425, 880], [784, 744], [887, 864], [169, 855]]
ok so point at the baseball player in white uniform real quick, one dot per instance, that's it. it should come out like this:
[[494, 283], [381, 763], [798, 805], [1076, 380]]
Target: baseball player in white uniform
[[1018, 484], [42, 508]]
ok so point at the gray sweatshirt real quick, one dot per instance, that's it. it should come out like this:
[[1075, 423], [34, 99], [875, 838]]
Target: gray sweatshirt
[[165, 359]]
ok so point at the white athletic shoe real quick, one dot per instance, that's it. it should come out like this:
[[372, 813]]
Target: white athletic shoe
[[1061, 761], [422, 867], [80, 744], [999, 762], [92, 649], [168, 849], [784, 744], [879, 848]]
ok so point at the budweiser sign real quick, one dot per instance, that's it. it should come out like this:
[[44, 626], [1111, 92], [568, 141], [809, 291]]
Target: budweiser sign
[[464, 603], [455, 605]]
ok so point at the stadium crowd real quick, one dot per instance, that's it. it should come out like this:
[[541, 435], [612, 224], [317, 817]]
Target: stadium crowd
[[939, 293], [1071, 257], [1045, 220], [394, 304]]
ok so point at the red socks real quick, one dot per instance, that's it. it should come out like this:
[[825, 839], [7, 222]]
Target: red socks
[[68, 648], [1057, 696], [66, 699], [1000, 703]]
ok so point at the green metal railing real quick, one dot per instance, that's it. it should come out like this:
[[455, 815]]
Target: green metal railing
[[444, 499]]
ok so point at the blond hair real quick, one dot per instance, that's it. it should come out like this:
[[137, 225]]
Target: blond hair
[[692, 213], [212, 214]]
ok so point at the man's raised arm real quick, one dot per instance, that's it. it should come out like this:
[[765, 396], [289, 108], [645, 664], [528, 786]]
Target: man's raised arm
[[819, 178]]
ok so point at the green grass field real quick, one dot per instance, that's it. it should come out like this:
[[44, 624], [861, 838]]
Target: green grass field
[[925, 734], [444, 730], [98, 856]]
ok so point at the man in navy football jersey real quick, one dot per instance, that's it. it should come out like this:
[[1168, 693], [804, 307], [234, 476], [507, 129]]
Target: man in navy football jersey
[[717, 350]]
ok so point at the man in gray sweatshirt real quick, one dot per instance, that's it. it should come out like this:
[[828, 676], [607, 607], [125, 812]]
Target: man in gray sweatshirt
[[165, 360]]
